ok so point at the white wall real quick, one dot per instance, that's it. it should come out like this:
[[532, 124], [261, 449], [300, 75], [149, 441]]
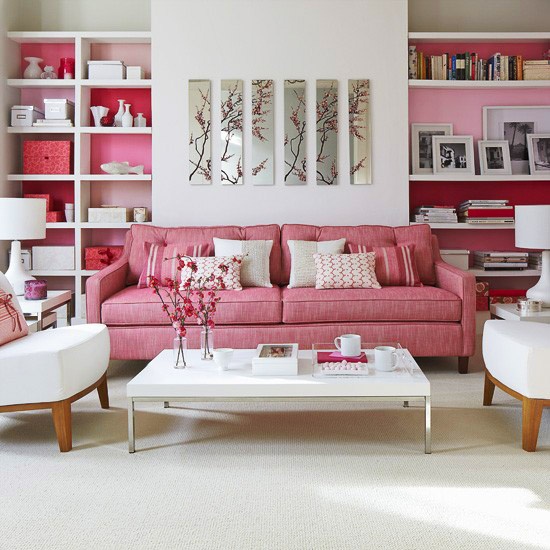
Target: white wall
[[479, 15], [280, 39]]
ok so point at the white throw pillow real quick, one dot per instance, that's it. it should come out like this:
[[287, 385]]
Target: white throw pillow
[[255, 266], [302, 266]]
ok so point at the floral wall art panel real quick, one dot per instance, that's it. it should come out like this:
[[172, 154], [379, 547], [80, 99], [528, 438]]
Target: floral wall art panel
[[295, 132], [200, 156], [359, 132], [231, 118], [327, 132], [263, 134]]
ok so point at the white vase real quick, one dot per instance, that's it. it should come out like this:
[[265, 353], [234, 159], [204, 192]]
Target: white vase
[[98, 112], [120, 112], [140, 121], [33, 69], [127, 118]]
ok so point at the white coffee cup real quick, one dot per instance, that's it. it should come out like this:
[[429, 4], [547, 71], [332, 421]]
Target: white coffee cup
[[222, 357], [349, 345], [385, 358]]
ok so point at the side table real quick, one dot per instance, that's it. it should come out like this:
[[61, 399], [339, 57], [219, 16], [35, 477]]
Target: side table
[[510, 312], [43, 310]]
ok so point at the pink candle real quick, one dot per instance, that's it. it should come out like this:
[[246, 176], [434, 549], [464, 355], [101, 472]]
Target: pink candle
[[36, 290]]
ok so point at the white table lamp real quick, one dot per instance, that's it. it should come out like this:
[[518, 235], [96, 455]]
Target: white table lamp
[[21, 219], [533, 231]]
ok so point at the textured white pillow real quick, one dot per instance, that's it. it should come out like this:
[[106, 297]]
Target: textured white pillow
[[255, 266], [346, 271], [302, 265]]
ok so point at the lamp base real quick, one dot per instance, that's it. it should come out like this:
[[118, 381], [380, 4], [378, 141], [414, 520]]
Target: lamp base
[[541, 291], [16, 273]]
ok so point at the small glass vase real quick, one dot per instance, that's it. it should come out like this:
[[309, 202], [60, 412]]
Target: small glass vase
[[180, 347], [207, 344]]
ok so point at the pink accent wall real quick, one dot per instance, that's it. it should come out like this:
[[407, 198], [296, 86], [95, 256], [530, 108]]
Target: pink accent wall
[[50, 53], [139, 99], [131, 54], [136, 149], [60, 192]]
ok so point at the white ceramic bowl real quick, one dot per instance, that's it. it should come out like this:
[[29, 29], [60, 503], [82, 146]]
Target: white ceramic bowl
[[222, 357]]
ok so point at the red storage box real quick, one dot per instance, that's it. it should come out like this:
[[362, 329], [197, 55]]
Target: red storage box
[[482, 296], [56, 216], [47, 157], [506, 296], [39, 196], [98, 257]]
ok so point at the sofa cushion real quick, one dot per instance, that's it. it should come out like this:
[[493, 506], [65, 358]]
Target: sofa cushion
[[367, 235], [134, 306], [139, 234], [308, 305]]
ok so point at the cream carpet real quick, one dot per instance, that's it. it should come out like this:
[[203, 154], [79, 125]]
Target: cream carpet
[[240, 476]]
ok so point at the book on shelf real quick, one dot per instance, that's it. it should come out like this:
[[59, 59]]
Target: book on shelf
[[501, 260], [53, 123], [481, 221], [484, 202], [435, 214]]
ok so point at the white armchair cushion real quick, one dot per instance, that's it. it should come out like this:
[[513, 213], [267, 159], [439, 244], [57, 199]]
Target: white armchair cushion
[[54, 364]]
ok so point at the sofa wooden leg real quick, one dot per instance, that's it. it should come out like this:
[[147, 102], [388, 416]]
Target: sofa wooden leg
[[463, 365], [532, 414], [103, 392], [488, 391], [61, 412]]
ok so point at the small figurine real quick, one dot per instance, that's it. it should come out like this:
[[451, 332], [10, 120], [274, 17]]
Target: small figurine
[[48, 72], [121, 168]]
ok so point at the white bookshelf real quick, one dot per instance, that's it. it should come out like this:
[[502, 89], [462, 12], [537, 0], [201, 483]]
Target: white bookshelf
[[84, 184], [465, 226], [479, 37], [511, 273], [479, 84], [477, 177]]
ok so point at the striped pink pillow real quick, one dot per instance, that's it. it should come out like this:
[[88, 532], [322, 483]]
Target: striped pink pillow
[[161, 261], [395, 265], [12, 322]]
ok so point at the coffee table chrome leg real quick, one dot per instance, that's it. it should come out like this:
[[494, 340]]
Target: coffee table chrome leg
[[166, 404], [428, 433], [405, 403], [131, 427]]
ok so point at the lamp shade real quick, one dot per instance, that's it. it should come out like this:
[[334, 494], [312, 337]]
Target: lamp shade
[[533, 226], [22, 219]]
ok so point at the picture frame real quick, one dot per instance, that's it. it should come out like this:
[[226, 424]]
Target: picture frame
[[421, 146], [453, 155], [276, 352], [514, 124], [494, 157], [539, 154]]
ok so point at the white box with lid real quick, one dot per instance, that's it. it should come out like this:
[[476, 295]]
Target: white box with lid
[[115, 214], [135, 72], [53, 258], [457, 258], [24, 115], [106, 70], [58, 109]]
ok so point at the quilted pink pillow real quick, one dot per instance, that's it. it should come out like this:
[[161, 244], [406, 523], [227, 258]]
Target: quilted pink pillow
[[345, 271], [395, 265], [12, 323], [161, 262], [211, 266]]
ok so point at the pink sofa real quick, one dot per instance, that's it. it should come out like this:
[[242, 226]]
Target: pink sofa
[[437, 319]]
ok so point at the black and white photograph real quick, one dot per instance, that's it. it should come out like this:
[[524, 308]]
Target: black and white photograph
[[539, 153], [421, 142], [453, 154], [515, 124], [494, 157]]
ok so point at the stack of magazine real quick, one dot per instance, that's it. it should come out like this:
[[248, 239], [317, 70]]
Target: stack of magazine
[[476, 211], [501, 261], [435, 214]]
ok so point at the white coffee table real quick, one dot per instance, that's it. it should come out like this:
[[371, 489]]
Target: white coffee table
[[510, 312], [203, 382]]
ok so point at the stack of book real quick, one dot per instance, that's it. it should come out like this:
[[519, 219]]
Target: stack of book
[[486, 211], [538, 69], [535, 260], [435, 214], [501, 261], [49, 123]]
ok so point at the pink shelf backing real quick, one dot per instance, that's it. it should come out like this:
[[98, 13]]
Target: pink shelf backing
[[136, 149], [36, 96], [50, 53], [131, 54], [126, 194], [54, 237], [529, 50], [100, 237], [139, 99], [60, 283], [60, 192]]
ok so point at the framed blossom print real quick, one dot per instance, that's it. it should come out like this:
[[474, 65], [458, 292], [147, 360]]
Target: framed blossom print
[[295, 172], [327, 132], [359, 132], [231, 132], [262, 132], [200, 156]]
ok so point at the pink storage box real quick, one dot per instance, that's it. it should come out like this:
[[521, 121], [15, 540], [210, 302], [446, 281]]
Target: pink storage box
[[47, 157], [98, 257], [56, 216]]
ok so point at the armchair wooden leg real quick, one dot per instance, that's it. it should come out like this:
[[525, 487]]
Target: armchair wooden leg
[[463, 365], [488, 391], [103, 392], [61, 411], [532, 414]]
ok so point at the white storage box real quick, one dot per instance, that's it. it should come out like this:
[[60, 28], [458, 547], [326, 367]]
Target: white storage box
[[106, 70], [134, 72], [110, 215], [58, 258], [24, 115], [58, 109], [458, 258], [26, 258], [275, 360]]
